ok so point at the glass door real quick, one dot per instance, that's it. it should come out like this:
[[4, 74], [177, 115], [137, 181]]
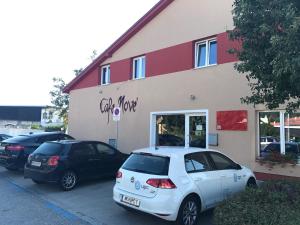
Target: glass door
[[196, 131]]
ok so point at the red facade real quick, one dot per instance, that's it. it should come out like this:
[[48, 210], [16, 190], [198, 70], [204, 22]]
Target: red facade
[[120, 71], [170, 60]]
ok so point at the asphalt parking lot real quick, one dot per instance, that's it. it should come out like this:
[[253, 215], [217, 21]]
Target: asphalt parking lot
[[24, 202]]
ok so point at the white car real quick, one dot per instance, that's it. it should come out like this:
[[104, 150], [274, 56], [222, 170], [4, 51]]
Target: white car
[[176, 184]]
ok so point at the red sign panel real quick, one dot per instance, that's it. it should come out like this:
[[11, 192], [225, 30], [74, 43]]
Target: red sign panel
[[232, 120]]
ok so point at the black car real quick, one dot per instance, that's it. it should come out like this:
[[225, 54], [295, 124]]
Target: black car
[[4, 136], [291, 148], [15, 151], [67, 162]]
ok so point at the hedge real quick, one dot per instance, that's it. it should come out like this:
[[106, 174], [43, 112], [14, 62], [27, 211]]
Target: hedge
[[273, 203]]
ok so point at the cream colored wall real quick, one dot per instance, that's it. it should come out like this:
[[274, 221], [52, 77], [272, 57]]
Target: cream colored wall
[[216, 88], [180, 22]]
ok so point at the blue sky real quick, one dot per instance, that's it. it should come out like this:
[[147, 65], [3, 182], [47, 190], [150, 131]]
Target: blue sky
[[40, 40]]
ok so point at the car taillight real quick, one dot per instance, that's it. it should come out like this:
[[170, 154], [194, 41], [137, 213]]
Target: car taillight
[[119, 174], [14, 148], [53, 160], [161, 183]]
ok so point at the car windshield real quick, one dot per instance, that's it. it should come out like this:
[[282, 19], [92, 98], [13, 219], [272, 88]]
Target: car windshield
[[21, 138], [147, 163], [49, 149]]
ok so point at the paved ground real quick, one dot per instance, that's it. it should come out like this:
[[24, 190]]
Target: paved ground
[[24, 203]]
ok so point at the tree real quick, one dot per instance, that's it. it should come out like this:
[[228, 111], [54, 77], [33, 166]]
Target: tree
[[59, 99], [77, 71], [270, 55]]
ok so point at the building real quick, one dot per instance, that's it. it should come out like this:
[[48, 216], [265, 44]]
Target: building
[[26, 117], [175, 83]]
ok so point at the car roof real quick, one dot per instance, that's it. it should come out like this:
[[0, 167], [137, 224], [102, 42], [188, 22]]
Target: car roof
[[41, 134], [172, 151], [75, 141]]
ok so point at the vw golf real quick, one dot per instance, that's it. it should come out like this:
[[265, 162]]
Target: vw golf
[[177, 184]]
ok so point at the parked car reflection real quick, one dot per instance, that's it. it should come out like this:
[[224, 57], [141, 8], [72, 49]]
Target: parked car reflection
[[291, 148]]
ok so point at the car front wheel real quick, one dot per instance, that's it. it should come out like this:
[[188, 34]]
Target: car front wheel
[[189, 212], [68, 180]]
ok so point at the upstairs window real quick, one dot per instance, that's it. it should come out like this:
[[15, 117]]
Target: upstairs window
[[139, 67], [205, 53], [105, 75]]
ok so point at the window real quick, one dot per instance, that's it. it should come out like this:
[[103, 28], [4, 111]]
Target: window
[[139, 68], [83, 149], [147, 163], [222, 162], [196, 162], [205, 53], [105, 75], [279, 133], [104, 149], [170, 130]]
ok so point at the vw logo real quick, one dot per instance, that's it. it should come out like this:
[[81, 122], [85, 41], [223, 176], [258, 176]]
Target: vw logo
[[132, 180], [137, 185]]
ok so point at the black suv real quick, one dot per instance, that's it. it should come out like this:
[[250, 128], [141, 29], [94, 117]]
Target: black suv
[[66, 162], [15, 151]]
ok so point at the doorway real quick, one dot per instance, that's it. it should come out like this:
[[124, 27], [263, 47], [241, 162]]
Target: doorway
[[179, 128]]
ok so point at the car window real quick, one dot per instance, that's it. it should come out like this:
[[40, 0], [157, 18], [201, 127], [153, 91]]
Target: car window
[[274, 147], [196, 162], [50, 137], [291, 149], [147, 163], [262, 139], [221, 161], [104, 149], [65, 137], [49, 149], [83, 149]]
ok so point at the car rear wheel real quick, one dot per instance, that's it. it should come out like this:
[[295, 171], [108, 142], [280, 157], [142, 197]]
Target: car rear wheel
[[189, 211], [251, 183], [68, 180]]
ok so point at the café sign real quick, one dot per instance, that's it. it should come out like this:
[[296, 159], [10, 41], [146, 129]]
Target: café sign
[[107, 105]]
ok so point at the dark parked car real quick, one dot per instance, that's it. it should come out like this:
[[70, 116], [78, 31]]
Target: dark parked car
[[15, 151], [4, 136], [67, 162], [291, 148], [170, 140]]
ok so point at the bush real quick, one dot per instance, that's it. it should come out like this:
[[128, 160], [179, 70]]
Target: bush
[[54, 128], [273, 203]]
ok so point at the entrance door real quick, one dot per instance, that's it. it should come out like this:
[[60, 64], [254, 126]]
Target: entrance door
[[196, 131], [182, 128]]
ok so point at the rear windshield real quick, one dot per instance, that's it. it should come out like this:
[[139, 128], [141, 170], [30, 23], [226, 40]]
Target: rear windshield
[[147, 163], [18, 139], [49, 149]]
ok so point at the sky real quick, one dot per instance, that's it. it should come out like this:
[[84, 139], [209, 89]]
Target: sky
[[42, 39]]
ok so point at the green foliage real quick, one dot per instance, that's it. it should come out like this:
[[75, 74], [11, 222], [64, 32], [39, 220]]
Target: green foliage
[[274, 203], [36, 127], [54, 128], [59, 99], [270, 54]]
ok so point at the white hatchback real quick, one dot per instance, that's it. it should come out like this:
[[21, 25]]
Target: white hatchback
[[177, 184]]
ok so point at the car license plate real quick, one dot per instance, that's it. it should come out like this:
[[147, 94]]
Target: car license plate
[[131, 201], [34, 163]]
